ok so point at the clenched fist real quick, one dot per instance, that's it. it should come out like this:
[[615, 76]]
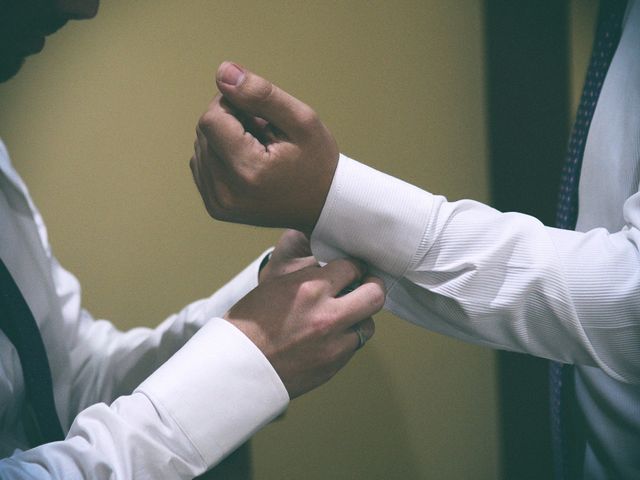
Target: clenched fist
[[262, 157]]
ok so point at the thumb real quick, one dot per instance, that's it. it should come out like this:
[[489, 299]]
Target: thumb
[[259, 97]]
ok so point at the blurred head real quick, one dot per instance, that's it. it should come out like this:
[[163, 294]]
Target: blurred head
[[24, 24]]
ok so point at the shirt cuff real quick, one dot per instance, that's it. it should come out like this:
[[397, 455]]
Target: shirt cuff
[[372, 216], [219, 388], [200, 312]]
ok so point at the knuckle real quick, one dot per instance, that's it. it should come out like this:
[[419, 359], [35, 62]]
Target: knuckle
[[340, 264], [206, 120], [251, 179], [322, 324], [350, 268], [378, 297], [309, 289], [259, 91], [307, 117]]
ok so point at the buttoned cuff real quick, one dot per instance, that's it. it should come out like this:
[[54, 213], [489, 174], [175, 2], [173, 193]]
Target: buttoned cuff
[[219, 388], [374, 217]]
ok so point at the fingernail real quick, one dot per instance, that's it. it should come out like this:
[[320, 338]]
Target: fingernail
[[231, 74]]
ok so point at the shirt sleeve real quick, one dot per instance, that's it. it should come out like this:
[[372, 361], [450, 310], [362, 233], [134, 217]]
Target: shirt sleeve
[[168, 402], [501, 280], [200, 405], [103, 362]]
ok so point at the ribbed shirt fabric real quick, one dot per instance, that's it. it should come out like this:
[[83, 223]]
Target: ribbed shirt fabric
[[504, 280]]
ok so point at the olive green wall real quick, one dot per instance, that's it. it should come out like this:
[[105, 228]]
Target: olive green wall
[[101, 126], [582, 23]]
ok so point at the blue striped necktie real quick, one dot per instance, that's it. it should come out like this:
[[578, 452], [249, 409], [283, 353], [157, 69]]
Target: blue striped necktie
[[606, 40], [16, 321]]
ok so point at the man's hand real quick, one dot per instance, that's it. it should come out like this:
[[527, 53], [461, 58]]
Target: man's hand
[[262, 157], [302, 325], [291, 253]]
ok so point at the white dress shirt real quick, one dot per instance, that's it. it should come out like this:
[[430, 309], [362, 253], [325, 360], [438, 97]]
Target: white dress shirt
[[133, 407], [506, 281]]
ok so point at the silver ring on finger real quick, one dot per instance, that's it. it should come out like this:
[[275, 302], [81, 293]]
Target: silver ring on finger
[[362, 338]]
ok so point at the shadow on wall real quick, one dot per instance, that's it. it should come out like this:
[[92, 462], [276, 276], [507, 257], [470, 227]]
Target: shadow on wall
[[371, 432], [409, 406]]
